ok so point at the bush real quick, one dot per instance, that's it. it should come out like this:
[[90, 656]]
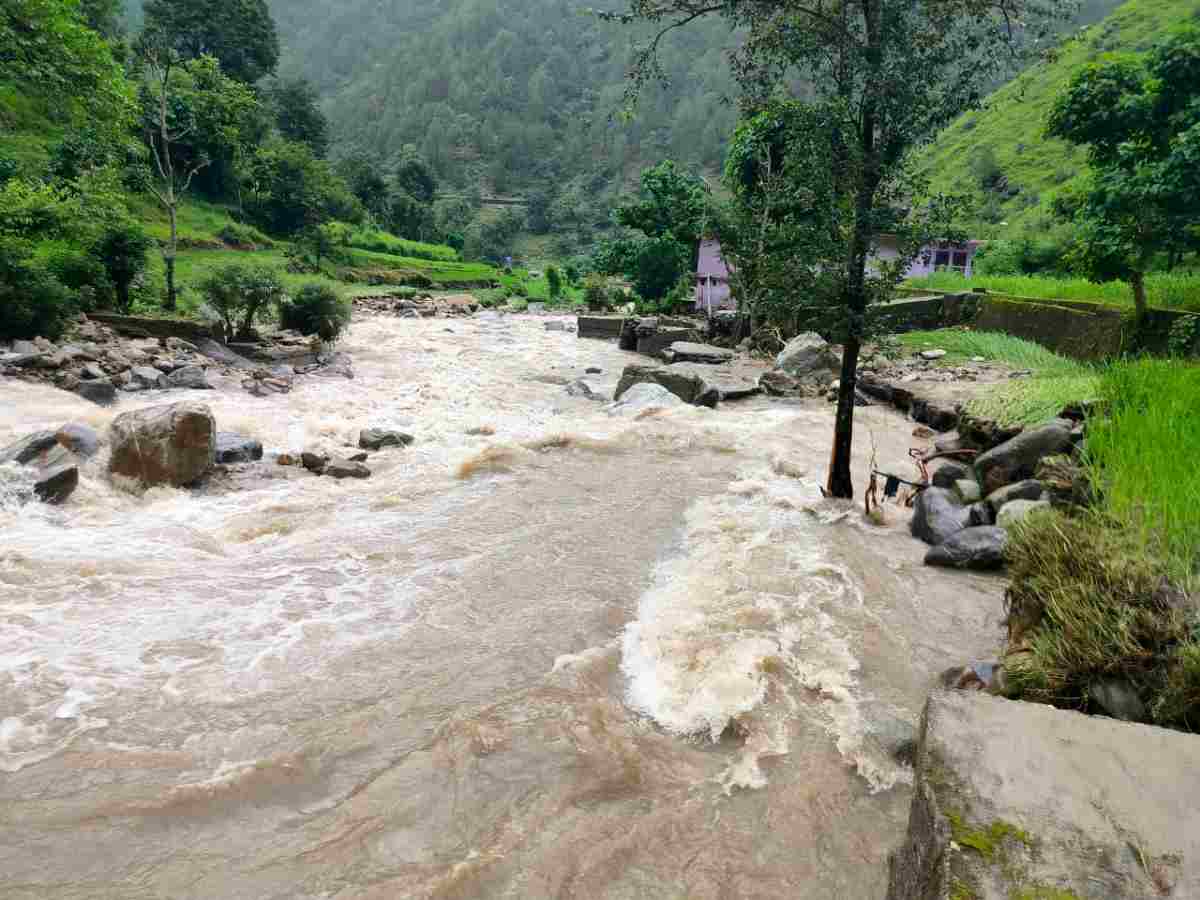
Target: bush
[[595, 292], [316, 309], [32, 301], [554, 281], [243, 236], [241, 290], [122, 251], [80, 272]]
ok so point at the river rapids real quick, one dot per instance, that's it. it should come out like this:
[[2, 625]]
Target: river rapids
[[548, 651]]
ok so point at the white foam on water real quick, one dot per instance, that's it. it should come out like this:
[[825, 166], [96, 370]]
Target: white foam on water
[[749, 610]]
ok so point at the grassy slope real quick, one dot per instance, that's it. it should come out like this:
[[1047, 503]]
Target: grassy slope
[[1013, 122]]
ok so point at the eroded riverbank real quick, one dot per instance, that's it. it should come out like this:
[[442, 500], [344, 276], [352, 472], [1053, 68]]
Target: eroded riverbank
[[504, 685]]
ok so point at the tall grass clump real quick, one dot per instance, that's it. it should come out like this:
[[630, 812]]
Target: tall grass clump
[[1087, 609], [1143, 452]]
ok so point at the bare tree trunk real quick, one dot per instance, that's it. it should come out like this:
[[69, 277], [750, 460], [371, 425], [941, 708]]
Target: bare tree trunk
[[169, 255], [841, 483], [1138, 282]]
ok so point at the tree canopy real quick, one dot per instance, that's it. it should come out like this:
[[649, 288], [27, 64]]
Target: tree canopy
[[879, 78], [1139, 117], [240, 34]]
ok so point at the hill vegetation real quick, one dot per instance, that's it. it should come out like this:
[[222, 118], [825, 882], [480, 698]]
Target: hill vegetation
[[1001, 156]]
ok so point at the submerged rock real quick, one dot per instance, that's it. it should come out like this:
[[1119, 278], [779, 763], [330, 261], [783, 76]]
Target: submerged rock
[[55, 474], [981, 547], [81, 440], [378, 438], [237, 448], [344, 468], [171, 444]]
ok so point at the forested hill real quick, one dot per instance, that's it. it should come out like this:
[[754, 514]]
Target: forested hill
[[505, 94]]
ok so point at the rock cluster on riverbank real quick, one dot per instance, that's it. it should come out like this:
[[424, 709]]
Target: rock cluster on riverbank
[[968, 507], [418, 306]]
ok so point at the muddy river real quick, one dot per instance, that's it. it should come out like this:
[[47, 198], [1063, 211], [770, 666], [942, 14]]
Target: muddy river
[[547, 651]]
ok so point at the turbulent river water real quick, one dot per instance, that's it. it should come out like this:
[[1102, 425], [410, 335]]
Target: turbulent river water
[[576, 655]]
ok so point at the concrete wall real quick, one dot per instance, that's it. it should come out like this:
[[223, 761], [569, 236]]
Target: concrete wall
[[1075, 328]]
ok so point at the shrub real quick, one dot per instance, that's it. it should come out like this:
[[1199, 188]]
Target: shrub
[[80, 272], [32, 301], [572, 273], [241, 290], [595, 292], [316, 309], [122, 251], [239, 235], [554, 281]]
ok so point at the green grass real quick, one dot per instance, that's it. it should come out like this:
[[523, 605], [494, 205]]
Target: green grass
[[1013, 122], [373, 239], [1166, 290], [1143, 453], [1104, 593], [1056, 380]]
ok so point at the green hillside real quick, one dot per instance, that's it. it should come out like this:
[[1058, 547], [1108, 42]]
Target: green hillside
[[1000, 154]]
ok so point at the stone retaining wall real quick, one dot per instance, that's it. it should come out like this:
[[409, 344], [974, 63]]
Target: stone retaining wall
[[141, 326]]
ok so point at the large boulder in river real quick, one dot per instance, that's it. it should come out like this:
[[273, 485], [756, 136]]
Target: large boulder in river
[[172, 444], [809, 358], [1018, 457], [937, 515], [980, 548], [686, 385], [52, 470]]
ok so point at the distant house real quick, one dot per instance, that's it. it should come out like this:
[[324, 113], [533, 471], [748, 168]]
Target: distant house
[[712, 274], [712, 279], [938, 256]]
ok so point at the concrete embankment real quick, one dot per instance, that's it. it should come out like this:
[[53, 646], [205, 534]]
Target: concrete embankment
[[1018, 800]]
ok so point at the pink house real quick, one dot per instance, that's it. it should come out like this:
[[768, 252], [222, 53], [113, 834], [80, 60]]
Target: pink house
[[712, 274], [712, 279], [938, 256]]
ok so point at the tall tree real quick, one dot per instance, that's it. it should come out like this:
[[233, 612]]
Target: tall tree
[[239, 33], [885, 75], [1139, 117], [179, 103], [298, 115]]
